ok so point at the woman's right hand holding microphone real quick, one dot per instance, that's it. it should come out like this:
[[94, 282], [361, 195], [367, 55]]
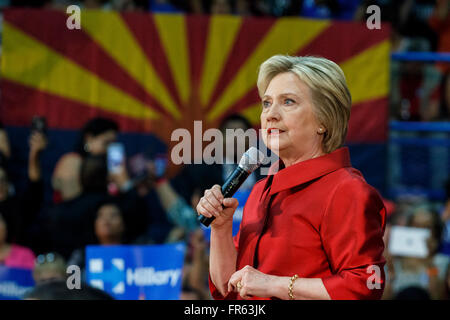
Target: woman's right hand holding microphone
[[213, 204]]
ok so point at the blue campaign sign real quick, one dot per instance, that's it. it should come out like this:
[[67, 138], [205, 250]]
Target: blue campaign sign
[[146, 272], [14, 283]]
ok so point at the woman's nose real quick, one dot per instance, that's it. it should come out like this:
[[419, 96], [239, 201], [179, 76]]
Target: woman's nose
[[273, 113]]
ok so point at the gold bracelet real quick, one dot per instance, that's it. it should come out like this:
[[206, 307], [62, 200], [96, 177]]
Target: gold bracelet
[[291, 286]]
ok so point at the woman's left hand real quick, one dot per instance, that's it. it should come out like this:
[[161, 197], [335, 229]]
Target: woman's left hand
[[251, 283]]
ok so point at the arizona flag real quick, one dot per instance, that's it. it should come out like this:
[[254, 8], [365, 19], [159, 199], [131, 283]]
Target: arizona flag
[[157, 72]]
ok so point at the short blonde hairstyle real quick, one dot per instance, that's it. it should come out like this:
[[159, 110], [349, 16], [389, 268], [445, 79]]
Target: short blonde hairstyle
[[331, 98]]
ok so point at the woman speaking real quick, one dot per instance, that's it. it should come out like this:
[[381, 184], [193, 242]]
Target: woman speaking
[[313, 229]]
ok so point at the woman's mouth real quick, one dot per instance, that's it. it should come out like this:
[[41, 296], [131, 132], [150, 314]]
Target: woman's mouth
[[274, 131]]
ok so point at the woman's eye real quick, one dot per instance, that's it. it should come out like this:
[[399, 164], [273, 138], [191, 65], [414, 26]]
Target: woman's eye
[[289, 101], [266, 104]]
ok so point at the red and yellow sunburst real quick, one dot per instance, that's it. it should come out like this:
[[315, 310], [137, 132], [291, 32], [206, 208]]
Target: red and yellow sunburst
[[157, 72]]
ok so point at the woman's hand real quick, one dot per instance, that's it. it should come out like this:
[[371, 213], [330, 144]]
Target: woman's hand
[[250, 282], [210, 205]]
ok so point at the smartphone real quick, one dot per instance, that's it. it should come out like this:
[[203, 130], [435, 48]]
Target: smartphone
[[408, 241], [39, 124], [160, 162], [115, 157]]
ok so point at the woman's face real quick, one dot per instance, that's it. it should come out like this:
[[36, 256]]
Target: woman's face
[[422, 219], [109, 222], [287, 106], [98, 144]]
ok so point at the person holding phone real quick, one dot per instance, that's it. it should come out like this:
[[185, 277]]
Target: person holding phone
[[94, 139], [413, 268], [18, 211]]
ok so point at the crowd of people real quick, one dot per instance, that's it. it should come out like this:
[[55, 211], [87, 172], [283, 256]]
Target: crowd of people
[[91, 205]]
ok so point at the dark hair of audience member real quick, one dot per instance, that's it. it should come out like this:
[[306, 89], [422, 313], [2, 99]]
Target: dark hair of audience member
[[235, 117], [58, 290], [94, 174], [412, 293], [94, 127], [125, 219]]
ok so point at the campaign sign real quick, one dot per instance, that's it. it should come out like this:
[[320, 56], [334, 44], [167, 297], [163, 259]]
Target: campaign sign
[[145, 272], [14, 282]]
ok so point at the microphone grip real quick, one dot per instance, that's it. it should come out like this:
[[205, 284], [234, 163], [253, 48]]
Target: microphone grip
[[229, 188]]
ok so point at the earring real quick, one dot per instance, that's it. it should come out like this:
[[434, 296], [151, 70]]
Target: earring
[[320, 131]]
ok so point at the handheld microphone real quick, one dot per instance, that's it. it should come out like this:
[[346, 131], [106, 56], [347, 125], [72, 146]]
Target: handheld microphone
[[250, 161]]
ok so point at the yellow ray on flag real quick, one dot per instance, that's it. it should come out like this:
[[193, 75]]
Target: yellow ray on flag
[[33, 64], [221, 37], [110, 31], [367, 73], [287, 36], [172, 32]]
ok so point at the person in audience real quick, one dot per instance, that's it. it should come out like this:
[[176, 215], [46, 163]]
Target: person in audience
[[179, 212], [19, 211], [439, 107], [94, 139], [49, 267], [413, 293], [58, 290], [195, 177], [196, 266], [180, 195], [439, 21], [13, 255], [110, 225], [110, 228], [427, 273], [71, 221], [153, 171], [221, 7]]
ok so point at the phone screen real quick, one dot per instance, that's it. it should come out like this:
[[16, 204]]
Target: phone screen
[[115, 157], [39, 124], [160, 162]]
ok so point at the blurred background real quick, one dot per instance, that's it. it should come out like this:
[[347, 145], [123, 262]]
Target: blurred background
[[87, 114]]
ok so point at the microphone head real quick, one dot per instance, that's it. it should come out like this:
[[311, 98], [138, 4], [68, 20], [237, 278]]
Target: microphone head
[[251, 160]]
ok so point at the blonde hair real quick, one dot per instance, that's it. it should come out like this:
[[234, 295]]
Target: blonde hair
[[331, 98]]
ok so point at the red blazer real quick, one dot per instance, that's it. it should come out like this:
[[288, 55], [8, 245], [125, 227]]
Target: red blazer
[[318, 219]]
